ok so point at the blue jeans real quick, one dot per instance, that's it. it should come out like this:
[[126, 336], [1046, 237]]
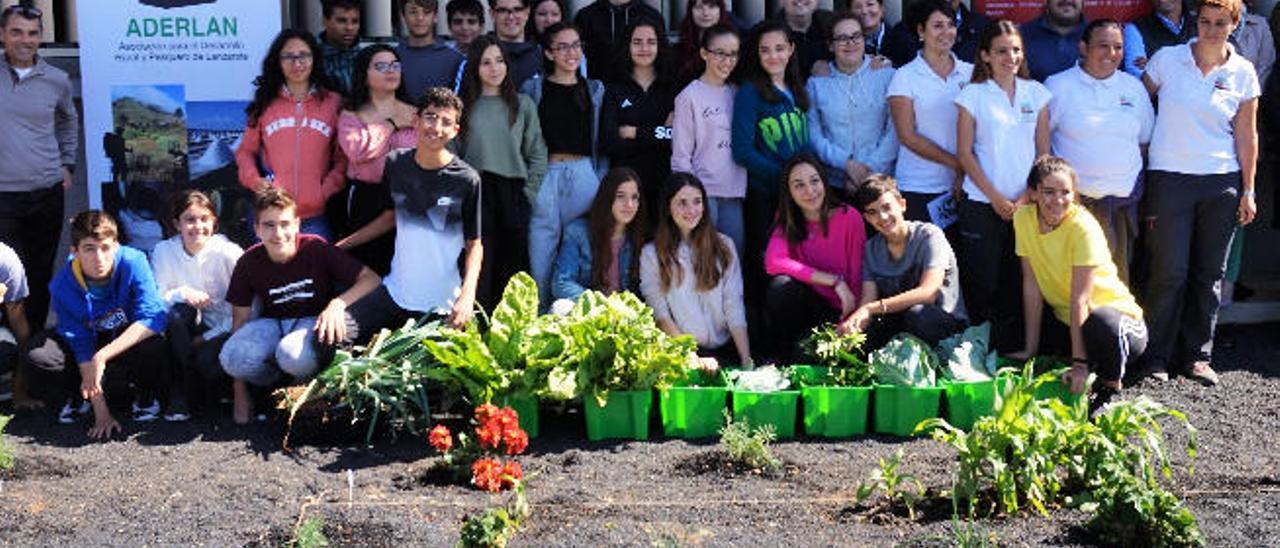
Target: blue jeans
[[566, 194], [726, 216]]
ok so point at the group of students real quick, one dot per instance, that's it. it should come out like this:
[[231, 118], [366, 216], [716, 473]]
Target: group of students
[[736, 203]]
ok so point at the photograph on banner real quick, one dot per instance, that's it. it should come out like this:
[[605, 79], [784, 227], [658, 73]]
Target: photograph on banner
[[1021, 11], [165, 85]]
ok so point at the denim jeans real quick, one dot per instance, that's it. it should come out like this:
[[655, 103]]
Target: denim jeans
[[726, 216], [566, 194]]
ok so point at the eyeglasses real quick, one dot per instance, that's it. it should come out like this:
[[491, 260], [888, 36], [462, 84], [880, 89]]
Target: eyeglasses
[[720, 54], [296, 58], [506, 12], [566, 48], [846, 39], [28, 12], [387, 66]]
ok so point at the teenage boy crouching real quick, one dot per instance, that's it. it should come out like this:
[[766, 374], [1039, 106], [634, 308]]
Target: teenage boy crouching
[[109, 317], [295, 278], [433, 201]]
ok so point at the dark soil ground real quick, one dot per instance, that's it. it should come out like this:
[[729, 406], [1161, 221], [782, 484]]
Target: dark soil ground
[[211, 483]]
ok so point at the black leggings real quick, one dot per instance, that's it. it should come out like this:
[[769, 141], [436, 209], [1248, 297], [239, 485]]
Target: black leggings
[[504, 232], [1112, 340], [927, 321], [794, 310], [193, 366]]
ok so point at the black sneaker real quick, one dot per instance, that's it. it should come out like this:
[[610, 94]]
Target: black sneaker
[[177, 411], [147, 413], [74, 411], [1101, 396]]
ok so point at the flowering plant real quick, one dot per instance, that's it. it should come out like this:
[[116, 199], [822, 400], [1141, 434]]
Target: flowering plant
[[497, 433]]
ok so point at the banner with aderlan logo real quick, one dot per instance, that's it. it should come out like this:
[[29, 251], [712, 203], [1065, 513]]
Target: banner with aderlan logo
[[165, 83]]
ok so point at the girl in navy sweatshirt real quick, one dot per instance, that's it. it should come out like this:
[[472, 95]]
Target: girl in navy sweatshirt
[[769, 127]]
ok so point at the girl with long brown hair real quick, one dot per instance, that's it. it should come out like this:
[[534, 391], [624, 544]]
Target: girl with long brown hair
[[599, 251], [691, 277]]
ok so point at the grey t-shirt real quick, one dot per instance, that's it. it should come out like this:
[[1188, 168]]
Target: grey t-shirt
[[12, 275], [926, 248]]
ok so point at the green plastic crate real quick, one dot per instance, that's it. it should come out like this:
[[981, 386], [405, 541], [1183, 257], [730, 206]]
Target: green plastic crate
[[526, 407], [1057, 390], [898, 409], [831, 411], [969, 401], [694, 408], [776, 408], [625, 415]]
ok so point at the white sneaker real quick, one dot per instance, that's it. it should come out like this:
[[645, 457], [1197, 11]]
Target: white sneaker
[[148, 413], [72, 413]]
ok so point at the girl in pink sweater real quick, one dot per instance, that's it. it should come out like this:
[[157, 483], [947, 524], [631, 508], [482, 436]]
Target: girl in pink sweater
[[814, 256], [289, 140]]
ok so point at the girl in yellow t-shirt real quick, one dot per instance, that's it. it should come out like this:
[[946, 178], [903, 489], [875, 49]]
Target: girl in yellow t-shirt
[[1066, 263]]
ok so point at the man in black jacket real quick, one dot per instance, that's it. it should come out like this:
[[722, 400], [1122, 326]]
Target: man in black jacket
[[602, 25]]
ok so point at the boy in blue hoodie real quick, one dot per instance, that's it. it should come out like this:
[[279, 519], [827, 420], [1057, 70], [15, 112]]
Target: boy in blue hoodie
[[109, 315]]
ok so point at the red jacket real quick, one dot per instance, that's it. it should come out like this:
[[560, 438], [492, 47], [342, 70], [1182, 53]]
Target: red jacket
[[297, 145]]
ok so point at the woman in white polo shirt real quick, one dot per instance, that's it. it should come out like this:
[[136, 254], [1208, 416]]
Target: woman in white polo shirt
[[921, 101], [1100, 120], [1003, 125], [1200, 185]]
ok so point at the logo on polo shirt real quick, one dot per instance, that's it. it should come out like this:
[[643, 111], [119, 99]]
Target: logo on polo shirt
[[1126, 102], [626, 103], [1220, 83], [1028, 113]]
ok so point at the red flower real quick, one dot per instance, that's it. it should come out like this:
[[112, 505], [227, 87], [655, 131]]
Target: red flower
[[484, 412], [511, 473], [489, 435], [517, 441], [440, 438], [487, 474]]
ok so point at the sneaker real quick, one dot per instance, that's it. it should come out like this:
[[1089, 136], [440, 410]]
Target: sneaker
[[147, 413], [1202, 373], [1157, 372], [72, 412], [6, 386], [177, 412], [1101, 396]]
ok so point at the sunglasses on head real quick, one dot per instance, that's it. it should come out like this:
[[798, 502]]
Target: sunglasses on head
[[29, 12]]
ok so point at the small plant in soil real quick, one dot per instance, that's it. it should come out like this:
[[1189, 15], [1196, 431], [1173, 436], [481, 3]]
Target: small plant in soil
[[895, 485], [309, 534], [497, 433], [1034, 453], [748, 446], [6, 454], [495, 527]]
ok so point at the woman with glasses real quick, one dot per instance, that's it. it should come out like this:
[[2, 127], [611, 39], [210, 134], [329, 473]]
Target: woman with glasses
[[569, 111], [849, 122], [377, 120], [921, 101], [699, 17], [702, 123], [635, 118], [502, 139], [289, 139]]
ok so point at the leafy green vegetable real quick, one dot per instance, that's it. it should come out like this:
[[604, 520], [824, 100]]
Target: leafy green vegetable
[[905, 361], [1032, 452], [612, 343], [967, 356], [841, 353]]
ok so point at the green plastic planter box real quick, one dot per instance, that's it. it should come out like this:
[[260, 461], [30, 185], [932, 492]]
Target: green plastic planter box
[[526, 406], [776, 408], [695, 407], [969, 401], [624, 416], [832, 411], [898, 409], [1057, 390]]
